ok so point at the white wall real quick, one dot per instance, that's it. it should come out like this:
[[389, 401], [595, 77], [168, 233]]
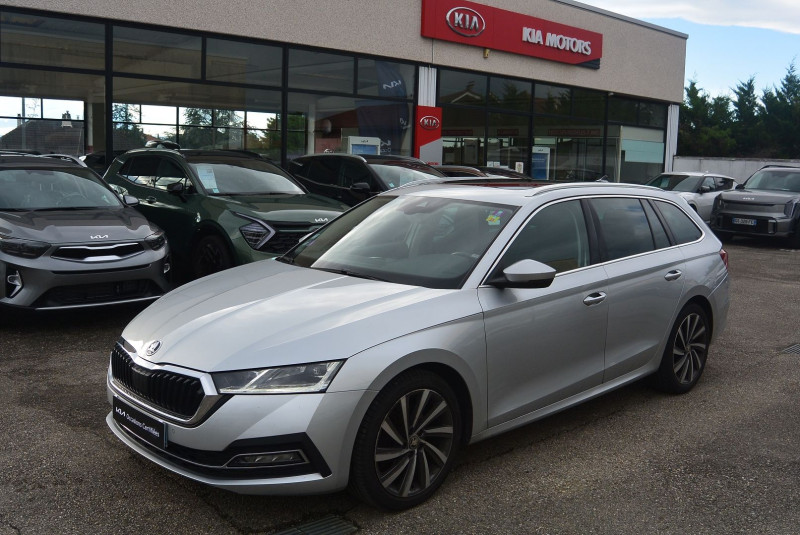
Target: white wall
[[740, 168]]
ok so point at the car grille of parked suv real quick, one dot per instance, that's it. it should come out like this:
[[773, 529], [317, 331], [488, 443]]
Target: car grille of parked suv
[[287, 235], [175, 394], [98, 253]]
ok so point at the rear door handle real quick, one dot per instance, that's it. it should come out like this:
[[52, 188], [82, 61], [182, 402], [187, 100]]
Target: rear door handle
[[673, 275], [594, 299], [151, 199]]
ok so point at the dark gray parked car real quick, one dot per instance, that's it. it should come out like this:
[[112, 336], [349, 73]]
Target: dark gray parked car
[[67, 240], [767, 204]]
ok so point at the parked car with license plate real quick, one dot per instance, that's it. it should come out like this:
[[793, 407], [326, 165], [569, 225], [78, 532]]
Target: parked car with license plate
[[699, 189], [767, 204], [68, 241], [219, 208], [426, 318]]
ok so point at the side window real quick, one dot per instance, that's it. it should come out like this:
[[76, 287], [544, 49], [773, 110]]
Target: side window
[[723, 183], [168, 172], [624, 228], [659, 234], [141, 170], [353, 172], [683, 228], [709, 183], [556, 236], [323, 170]]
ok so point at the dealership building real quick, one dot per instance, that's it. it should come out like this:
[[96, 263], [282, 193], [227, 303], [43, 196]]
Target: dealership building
[[553, 88]]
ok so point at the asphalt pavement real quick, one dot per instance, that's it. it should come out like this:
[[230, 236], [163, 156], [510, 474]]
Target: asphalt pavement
[[722, 459]]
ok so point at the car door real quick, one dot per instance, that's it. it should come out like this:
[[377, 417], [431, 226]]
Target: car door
[[706, 194], [546, 344], [354, 172], [645, 281], [150, 176]]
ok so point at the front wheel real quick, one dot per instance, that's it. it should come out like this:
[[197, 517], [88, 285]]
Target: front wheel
[[407, 441], [210, 255], [685, 356]]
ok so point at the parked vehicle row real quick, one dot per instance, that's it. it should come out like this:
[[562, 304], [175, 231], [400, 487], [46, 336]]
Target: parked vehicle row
[[427, 317]]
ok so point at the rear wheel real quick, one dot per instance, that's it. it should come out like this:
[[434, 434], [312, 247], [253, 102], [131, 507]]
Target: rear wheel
[[684, 358], [210, 255], [407, 441]]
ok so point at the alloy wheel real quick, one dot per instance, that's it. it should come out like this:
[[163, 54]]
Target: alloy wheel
[[689, 349]]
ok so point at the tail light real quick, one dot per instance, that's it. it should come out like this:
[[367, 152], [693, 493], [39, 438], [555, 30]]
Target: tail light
[[724, 255]]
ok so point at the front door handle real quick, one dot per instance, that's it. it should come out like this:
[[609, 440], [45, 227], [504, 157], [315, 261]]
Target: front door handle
[[151, 199], [594, 299], [673, 275]]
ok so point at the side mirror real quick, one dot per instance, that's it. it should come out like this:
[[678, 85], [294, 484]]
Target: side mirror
[[130, 200], [704, 189], [360, 187], [739, 186], [176, 188], [524, 274]]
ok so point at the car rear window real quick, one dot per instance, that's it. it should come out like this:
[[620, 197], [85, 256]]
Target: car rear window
[[683, 228]]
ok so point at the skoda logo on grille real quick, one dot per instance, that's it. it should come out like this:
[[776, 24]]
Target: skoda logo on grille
[[152, 348]]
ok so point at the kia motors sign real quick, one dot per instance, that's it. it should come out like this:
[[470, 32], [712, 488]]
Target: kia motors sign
[[497, 29], [428, 143]]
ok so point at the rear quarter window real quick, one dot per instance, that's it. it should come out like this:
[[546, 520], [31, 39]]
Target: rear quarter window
[[683, 228]]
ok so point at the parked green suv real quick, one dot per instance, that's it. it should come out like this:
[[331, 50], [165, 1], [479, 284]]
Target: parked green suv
[[219, 208]]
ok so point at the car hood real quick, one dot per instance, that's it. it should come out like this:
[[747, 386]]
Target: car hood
[[76, 226], [284, 207], [269, 314], [760, 196]]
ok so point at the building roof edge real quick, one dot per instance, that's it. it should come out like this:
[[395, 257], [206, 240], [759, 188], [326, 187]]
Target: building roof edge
[[632, 20]]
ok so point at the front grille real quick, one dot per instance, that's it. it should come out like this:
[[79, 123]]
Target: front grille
[[172, 393], [98, 253], [752, 208], [287, 235], [98, 293]]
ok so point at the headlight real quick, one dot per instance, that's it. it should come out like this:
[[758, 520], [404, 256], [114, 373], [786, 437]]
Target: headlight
[[23, 248], [790, 207], [256, 233], [156, 241], [313, 377]]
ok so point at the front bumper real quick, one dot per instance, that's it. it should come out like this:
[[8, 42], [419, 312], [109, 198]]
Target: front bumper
[[320, 426], [765, 225]]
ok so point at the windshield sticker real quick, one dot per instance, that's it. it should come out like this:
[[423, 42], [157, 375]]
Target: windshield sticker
[[207, 178], [494, 217]]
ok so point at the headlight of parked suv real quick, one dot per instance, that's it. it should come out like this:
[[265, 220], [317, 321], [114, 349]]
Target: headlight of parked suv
[[23, 248], [790, 208], [256, 233], [301, 378], [156, 241]]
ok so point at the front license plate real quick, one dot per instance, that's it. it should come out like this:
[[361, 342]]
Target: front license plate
[[140, 424], [742, 221]]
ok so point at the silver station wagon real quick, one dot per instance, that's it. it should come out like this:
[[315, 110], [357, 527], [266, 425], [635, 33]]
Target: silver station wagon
[[421, 320]]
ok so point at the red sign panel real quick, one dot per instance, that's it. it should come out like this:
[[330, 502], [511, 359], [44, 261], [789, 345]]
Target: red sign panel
[[428, 134], [497, 29]]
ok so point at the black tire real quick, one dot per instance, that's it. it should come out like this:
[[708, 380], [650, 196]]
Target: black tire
[[210, 255], [685, 356], [400, 462], [794, 239]]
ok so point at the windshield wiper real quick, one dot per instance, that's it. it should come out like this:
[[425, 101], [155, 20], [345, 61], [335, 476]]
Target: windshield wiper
[[352, 274], [64, 208], [257, 193]]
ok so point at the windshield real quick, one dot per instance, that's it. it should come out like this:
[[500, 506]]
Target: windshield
[[54, 189], [676, 182], [775, 180], [242, 176], [424, 241], [398, 173]]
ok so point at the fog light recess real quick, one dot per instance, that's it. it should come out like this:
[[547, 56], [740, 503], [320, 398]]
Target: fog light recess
[[275, 458]]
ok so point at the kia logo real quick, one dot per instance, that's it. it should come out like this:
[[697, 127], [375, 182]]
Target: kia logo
[[99, 237], [152, 348], [429, 122], [465, 21]]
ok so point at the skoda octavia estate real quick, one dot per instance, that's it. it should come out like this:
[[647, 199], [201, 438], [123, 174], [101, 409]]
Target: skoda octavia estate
[[421, 320]]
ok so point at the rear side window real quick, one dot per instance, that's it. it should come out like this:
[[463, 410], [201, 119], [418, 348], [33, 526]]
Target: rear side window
[[683, 228], [323, 170], [140, 170], [624, 228]]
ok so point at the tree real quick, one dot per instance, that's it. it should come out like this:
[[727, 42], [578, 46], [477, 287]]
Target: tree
[[704, 128], [782, 116], [748, 128]]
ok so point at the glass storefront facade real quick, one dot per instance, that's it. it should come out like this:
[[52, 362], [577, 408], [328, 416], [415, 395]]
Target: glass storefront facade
[[76, 85]]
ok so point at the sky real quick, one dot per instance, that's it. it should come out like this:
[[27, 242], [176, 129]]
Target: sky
[[729, 40]]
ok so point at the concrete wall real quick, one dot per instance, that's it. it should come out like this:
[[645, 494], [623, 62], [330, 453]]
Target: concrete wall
[[638, 59], [740, 168]]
